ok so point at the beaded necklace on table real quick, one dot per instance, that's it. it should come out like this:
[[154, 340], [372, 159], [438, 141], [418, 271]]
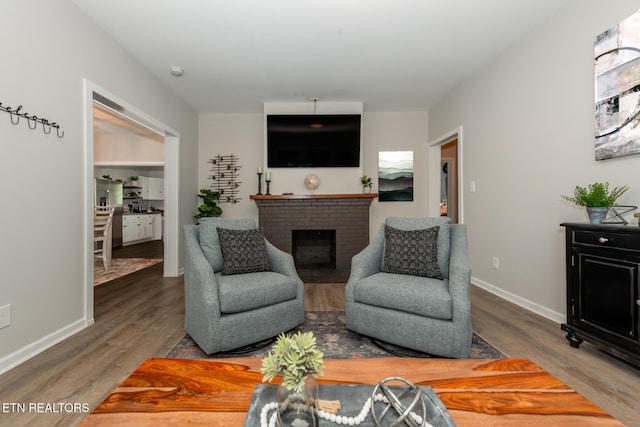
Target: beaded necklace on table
[[265, 421]]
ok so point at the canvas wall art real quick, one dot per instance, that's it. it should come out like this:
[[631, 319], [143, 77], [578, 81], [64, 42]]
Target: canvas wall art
[[395, 176], [617, 84]]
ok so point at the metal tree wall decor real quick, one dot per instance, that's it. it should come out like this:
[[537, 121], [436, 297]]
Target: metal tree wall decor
[[617, 81], [225, 177]]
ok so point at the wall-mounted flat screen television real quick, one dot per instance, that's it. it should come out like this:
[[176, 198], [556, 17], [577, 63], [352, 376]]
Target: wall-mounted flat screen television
[[329, 140]]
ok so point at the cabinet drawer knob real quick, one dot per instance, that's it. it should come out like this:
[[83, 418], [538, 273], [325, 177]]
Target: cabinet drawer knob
[[638, 301], [603, 240]]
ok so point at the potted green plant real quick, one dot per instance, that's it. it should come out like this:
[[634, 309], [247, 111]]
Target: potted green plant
[[134, 180], [366, 183], [297, 359], [209, 207], [597, 198]]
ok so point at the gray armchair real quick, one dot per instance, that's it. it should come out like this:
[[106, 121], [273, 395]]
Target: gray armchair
[[427, 314], [225, 312]]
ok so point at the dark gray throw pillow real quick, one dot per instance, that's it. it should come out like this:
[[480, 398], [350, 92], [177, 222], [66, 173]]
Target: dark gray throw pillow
[[243, 251], [413, 252]]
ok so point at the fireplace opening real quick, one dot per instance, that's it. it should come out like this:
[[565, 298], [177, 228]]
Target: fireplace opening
[[314, 249]]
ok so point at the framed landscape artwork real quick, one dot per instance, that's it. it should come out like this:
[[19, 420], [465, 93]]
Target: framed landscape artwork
[[617, 84], [395, 176]]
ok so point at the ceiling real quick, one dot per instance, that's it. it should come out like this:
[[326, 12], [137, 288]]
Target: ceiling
[[401, 55]]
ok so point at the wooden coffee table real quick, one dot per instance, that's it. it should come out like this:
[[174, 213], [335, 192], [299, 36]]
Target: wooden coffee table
[[477, 392]]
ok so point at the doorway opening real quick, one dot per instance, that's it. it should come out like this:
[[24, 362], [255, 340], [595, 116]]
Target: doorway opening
[[449, 180], [97, 101], [138, 205], [444, 195]]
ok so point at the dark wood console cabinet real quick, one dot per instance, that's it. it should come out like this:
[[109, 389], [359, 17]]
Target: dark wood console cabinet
[[603, 288]]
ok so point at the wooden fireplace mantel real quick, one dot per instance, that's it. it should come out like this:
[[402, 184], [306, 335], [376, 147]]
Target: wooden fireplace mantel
[[313, 196]]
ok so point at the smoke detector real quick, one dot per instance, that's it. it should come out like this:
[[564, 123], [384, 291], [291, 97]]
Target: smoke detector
[[176, 71]]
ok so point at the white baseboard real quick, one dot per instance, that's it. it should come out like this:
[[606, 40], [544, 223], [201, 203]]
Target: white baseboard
[[522, 302], [14, 359]]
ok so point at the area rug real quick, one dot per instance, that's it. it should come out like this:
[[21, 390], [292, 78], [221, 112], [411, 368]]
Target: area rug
[[334, 340], [120, 267]]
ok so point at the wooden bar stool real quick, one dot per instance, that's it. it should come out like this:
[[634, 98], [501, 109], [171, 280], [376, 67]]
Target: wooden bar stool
[[102, 219]]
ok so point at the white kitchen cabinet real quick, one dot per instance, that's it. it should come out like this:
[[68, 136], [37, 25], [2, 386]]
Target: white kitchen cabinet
[[131, 229], [127, 234], [147, 226], [154, 188], [139, 228]]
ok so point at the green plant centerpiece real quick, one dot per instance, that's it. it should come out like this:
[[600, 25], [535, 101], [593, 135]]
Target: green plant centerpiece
[[209, 207], [297, 359], [597, 198], [294, 357]]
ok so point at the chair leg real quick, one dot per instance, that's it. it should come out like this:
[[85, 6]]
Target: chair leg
[[107, 251]]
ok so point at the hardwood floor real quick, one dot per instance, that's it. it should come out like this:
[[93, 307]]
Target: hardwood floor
[[141, 316], [324, 296], [152, 249]]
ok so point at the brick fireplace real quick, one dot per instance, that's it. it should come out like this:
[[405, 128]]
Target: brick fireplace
[[322, 231]]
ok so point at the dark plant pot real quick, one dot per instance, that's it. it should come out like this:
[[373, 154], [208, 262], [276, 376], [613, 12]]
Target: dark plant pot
[[597, 215]]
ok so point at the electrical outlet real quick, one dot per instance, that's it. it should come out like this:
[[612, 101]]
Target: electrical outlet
[[5, 316], [495, 263]]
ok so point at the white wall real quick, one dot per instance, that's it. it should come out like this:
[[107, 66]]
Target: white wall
[[243, 135], [528, 138], [239, 134], [53, 48], [402, 131]]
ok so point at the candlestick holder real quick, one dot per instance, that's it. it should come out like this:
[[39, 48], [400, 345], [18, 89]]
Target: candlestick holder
[[259, 193], [268, 181]]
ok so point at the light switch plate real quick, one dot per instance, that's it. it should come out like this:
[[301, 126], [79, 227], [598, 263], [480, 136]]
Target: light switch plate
[[5, 316]]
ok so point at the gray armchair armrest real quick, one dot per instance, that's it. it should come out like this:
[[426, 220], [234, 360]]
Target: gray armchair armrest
[[368, 261], [201, 287], [281, 262], [364, 264], [460, 289], [459, 267]]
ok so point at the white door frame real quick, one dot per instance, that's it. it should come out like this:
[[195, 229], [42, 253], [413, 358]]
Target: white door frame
[[433, 187], [171, 173]]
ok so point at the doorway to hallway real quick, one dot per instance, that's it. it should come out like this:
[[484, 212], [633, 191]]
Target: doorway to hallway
[[445, 176], [449, 180]]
